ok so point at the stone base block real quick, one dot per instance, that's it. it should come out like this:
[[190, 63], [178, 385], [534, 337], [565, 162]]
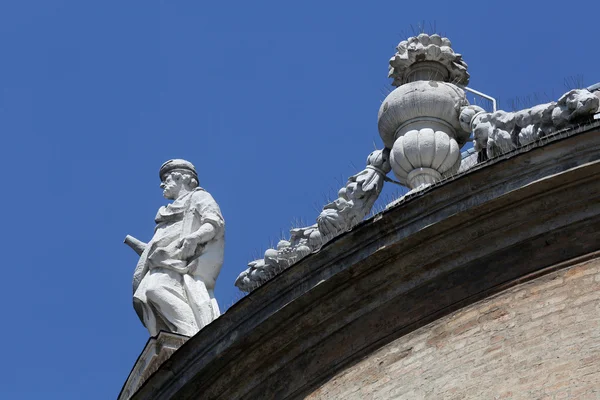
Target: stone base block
[[158, 349]]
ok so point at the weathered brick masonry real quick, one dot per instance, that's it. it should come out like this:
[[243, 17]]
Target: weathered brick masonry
[[537, 340]]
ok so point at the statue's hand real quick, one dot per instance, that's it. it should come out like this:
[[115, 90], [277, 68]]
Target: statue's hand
[[188, 247], [159, 255], [169, 257]]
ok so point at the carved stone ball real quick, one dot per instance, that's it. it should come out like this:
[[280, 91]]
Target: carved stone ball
[[315, 239], [424, 156], [422, 100], [331, 223], [303, 251], [466, 116], [271, 256], [282, 245]]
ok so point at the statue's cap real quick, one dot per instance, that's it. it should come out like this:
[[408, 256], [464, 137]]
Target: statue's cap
[[177, 164]]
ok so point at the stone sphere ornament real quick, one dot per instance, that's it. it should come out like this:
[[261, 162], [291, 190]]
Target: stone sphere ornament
[[435, 101]]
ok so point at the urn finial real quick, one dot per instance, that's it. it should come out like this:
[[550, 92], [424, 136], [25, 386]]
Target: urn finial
[[420, 120]]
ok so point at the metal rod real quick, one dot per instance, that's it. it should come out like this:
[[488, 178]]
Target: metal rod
[[485, 96]]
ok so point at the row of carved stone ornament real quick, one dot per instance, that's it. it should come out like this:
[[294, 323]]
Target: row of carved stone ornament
[[354, 202], [419, 125], [501, 131]]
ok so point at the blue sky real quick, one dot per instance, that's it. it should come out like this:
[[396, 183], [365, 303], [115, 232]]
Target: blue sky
[[276, 105]]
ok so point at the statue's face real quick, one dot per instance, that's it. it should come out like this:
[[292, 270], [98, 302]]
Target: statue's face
[[171, 186]]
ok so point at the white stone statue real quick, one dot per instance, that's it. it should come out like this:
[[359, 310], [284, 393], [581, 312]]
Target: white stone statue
[[174, 281]]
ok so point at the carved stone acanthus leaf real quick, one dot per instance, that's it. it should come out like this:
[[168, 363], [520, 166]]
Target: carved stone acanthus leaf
[[354, 202], [427, 48], [501, 131]]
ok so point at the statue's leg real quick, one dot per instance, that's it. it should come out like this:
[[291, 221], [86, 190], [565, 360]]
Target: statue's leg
[[166, 295], [146, 315], [200, 301], [149, 316]]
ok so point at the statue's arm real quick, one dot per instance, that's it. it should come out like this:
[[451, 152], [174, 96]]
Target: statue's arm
[[211, 224], [189, 244], [137, 245], [204, 234]]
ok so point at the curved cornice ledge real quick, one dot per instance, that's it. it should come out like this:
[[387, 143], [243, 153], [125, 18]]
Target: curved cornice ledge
[[515, 217]]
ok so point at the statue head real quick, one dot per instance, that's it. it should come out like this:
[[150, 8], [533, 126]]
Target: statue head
[[177, 177]]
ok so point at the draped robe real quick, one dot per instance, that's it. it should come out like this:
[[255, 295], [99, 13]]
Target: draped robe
[[170, 293]]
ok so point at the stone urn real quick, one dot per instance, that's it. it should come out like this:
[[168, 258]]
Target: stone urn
[[419, 120]]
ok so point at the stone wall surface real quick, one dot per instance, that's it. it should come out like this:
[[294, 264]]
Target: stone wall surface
[[538, 340]]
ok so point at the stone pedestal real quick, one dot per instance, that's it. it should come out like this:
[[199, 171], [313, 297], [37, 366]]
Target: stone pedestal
[[158, 349]]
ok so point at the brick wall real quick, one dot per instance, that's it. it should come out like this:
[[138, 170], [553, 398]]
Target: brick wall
[[537, 340]]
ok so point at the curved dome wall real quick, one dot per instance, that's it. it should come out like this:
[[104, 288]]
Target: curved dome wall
[[535, 340], [456, 281]]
